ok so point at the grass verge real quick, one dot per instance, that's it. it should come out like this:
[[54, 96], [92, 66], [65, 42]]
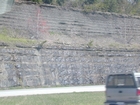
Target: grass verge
[[85, 98], [14, 40]]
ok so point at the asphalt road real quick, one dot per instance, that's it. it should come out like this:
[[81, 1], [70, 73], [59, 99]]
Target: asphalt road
[[37, 91]]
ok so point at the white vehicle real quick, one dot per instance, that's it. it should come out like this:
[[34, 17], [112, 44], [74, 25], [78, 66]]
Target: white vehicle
[[123, 89]]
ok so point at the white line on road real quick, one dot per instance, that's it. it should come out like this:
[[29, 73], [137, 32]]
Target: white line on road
[[37, 91]]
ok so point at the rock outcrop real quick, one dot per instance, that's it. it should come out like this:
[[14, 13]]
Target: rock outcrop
[[63, 64], [57, 24]]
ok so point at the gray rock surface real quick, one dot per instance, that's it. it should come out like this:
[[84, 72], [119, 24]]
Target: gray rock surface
[[69, 26], [67, 65], [59, 67]]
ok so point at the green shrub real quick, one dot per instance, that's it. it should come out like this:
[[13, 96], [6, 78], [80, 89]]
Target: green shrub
[[38, 1], [118, 6]]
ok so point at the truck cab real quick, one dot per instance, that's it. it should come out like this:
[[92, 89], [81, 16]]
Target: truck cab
[[123, 89]]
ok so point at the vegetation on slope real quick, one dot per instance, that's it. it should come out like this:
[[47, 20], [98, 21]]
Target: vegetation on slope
[[119, 6], [7, 40]]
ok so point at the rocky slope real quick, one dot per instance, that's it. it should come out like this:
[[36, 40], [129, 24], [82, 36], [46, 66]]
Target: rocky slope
[[60, 25]]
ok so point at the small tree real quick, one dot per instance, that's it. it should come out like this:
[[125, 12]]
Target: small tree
[[110, 5], [47, 1], [38, 1], [89, 1]]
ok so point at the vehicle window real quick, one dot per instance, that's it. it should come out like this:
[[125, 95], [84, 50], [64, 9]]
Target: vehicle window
[[138, 78], [120, 81]]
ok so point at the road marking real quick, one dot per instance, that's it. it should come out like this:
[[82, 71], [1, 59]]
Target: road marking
[[37, 91]]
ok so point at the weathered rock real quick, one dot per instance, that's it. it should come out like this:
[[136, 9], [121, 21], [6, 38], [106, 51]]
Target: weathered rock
[[63, 64], [71, 27], [51, 67]]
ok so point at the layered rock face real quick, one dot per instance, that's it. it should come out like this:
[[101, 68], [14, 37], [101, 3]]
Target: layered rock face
[[67, 65], [40, 21]]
